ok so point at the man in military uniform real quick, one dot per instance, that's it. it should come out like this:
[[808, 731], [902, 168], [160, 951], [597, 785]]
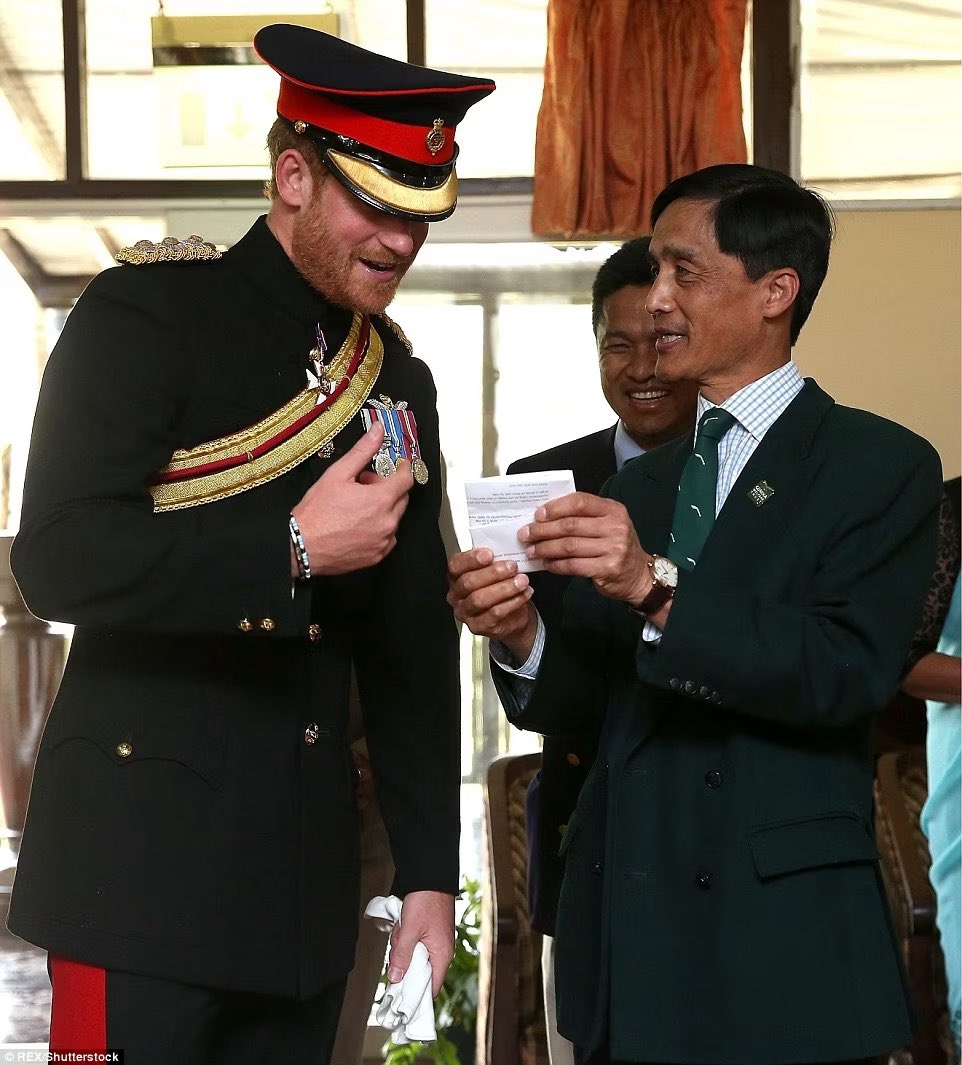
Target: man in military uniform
[[200, 504]]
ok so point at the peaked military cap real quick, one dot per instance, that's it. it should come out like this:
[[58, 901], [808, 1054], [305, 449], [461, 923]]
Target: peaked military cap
[[385, 129]]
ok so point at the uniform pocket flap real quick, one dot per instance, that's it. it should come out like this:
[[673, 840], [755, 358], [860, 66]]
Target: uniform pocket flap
[[197, 742], [788, 847]]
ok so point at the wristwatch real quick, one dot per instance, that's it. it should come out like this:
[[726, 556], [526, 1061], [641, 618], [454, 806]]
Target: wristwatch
[[664, 581]]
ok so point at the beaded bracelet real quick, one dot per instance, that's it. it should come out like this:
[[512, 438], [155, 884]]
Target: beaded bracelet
[[300, 551]]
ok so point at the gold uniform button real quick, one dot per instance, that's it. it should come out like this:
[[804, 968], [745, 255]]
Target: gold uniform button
[[245, 625], [311, 733], [267, 624], [573, 759], [124, 750], [314, 632]]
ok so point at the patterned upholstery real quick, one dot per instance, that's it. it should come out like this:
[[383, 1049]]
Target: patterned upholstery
[[511, 1025], [900, 792]]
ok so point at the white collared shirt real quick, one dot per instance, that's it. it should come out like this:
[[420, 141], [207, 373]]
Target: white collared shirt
[[626, 447], [756, 408]]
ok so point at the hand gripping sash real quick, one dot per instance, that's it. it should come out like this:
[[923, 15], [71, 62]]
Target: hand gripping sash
[[281, 441]]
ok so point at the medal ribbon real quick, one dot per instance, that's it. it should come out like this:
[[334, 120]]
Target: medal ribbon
[[400, 431]]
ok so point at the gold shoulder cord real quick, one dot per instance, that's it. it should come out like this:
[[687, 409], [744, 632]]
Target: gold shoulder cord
[[399, 332], [176, 495]]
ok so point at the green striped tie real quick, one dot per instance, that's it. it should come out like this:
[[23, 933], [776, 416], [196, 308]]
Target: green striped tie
[[695, 507]]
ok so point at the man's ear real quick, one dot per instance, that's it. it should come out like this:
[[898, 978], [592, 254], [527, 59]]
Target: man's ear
[[780, 290], [293, 177]]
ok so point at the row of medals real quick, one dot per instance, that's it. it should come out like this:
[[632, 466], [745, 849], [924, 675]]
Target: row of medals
[[384, 465]]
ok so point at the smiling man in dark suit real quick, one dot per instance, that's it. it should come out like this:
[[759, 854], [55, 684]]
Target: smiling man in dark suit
[[650, 412], [746, 603]]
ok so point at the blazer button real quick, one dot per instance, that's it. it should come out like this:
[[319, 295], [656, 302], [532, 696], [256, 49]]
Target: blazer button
[[597, 868], [314, 632], [245, 625], [713, 778], [674, 684], [311, 733], [267, 624], [704, 691], [573, 759], [703, 880], [689, 687], [124, 750], [715, 697]]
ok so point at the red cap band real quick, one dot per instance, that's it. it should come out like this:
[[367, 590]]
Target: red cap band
[[396, 138]]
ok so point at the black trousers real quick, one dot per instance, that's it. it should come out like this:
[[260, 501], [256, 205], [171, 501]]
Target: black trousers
[[160, 1022]]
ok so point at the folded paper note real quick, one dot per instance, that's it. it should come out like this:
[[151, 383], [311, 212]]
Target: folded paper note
[[499, 506]]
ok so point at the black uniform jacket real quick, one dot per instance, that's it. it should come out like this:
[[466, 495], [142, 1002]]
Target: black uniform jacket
[[221, 848], [722, 899], [565, 760]]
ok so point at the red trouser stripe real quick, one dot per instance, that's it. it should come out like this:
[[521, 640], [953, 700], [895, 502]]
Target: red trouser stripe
[[78, 1009]]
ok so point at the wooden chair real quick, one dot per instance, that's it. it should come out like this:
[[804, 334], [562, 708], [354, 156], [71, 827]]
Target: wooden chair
[[901, 788], [511, 1023]]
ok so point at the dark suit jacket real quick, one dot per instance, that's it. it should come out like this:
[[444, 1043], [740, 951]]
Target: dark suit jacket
[[223, 849], [565, 760], [722, 899]]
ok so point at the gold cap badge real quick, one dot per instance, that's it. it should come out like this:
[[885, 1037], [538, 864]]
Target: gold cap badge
[[435, 139]]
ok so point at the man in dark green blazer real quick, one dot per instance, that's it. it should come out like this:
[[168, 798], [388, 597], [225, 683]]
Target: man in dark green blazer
[[722, 900], [199, 503]]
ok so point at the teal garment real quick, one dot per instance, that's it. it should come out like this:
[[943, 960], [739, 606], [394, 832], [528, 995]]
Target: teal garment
[[942, 817]]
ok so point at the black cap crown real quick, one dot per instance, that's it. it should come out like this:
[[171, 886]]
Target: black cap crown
[[384, 128]]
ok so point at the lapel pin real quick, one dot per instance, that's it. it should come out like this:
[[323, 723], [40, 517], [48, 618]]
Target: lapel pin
[[761, 493]]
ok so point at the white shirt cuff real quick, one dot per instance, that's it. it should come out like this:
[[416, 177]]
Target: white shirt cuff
[[528, 670]]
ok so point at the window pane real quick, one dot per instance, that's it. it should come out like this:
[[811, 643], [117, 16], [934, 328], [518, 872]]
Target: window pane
[[20, 371], [449, 338], [881, 98], [31, 91], [548, 385], [505, 40], [196, 121]]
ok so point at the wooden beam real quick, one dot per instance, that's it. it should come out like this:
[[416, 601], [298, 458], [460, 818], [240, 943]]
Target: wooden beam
[[157, 189], [75, 87], [773, 61], [417, 32], [49, 290], [123, 189], [21, 259]]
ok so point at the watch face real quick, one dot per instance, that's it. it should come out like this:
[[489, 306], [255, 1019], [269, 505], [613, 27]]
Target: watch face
[[665, 572]]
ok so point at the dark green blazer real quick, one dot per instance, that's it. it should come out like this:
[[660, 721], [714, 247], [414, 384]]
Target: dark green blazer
[[722, 900]]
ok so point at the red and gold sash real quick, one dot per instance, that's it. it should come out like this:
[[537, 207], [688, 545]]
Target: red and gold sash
[[282, 440]]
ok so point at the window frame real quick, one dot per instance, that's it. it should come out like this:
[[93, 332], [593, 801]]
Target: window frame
[[773, 63]]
